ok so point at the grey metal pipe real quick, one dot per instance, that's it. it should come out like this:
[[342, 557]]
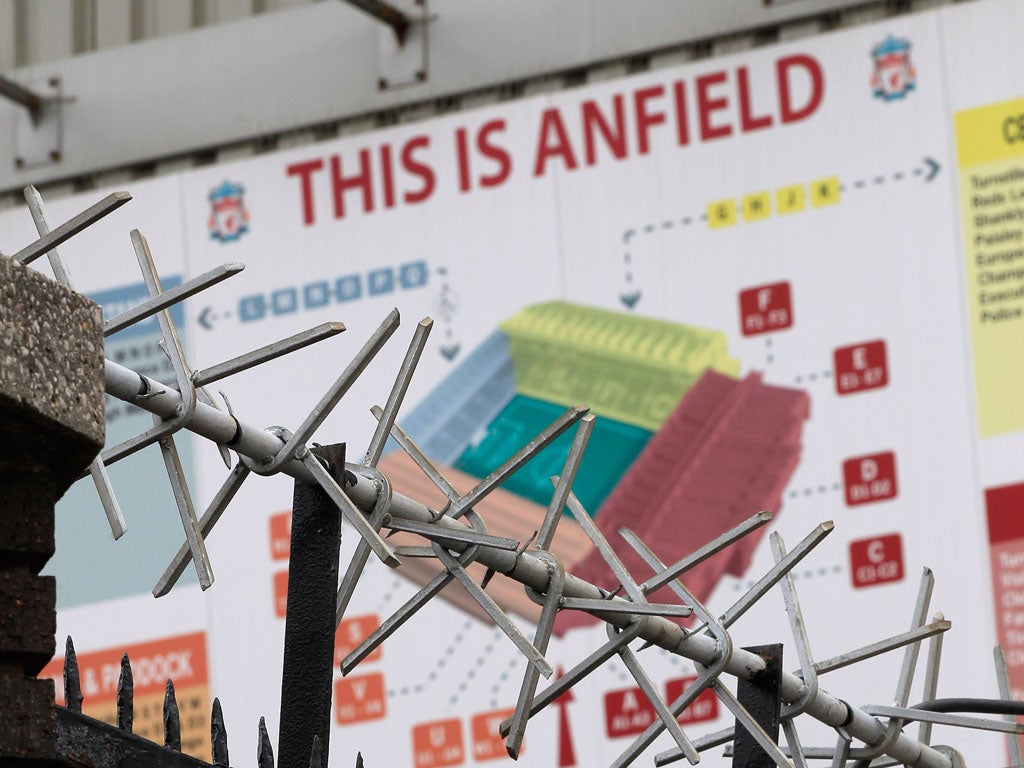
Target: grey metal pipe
[[261, 446]]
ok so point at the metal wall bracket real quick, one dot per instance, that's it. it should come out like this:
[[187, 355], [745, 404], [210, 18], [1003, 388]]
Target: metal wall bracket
[[402, 59], [39, 128]]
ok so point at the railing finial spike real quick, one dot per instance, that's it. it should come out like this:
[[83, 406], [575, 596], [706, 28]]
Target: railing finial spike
[[72, 683], [172, 720]]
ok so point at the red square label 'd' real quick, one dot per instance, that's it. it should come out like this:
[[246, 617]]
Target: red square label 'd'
[[861, 366], [703, 708], [870, 478], [627, 712], [359, 698], [351, 632], [877, 560], [280, 535], [437, 743], [487, 742], [765, 308]]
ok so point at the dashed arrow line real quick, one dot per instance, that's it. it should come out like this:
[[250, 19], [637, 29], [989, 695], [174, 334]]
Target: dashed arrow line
[[471, 674], [797, 493], [810, 573], [630, 295], [813, 376], [442, 662]]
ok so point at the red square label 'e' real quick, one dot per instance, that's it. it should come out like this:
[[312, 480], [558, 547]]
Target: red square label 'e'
[[627, 712], [438, 743], [860, 366], [870, 478], [359, 698], [703, 708], [487, 742], [877, 560], [765, 308]]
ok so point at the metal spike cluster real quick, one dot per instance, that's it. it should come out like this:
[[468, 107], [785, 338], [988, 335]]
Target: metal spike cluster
[[456, 536]]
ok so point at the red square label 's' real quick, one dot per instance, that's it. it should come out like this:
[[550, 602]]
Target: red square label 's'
[[627, 712], [765, 308], [437, 743], [703, 708], [351, 632], [861, 366], [281, 594], [280, 535], [359, 698], [877, 560], [870, 478], [487, 742]]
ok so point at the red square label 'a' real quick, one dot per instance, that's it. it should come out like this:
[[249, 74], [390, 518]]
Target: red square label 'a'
[[627, 712]]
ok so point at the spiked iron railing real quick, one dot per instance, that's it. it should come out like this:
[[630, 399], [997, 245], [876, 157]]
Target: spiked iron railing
[[456, 536]]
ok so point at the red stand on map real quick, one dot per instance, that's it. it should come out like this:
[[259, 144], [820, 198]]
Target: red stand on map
[[357, 699], [860, 367], [878, 560], [280, 535], [437, 744], [627, 712], [1006, 550], [351, 632], [766, 308], [487, 742], [703, 708], [870, 478]]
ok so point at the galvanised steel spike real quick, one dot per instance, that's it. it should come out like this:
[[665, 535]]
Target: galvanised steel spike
[[931, 679], [170, 297], [62, 274], [52, 238], [398, 390], [517, 460], [565, 480], [266, 353], [206, 522], [72, 682], [172, 720], [1006, 693], [218, 736], [125, 696]]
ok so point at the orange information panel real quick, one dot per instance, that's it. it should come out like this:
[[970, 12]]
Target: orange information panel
[[487, 742], [361, 698], [181, 659], [351, 632], [280, 594], [280, 535], [437, 744]]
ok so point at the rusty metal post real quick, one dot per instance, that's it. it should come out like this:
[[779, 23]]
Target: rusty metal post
[[309, 622], [762, 698], [51, 409]]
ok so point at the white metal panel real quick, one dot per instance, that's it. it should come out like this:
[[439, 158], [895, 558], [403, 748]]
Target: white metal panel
[[281, 71], [113, 23]]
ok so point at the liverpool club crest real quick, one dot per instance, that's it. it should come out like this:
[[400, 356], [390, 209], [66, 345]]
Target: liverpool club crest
[[894, 75], [229, 219]]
